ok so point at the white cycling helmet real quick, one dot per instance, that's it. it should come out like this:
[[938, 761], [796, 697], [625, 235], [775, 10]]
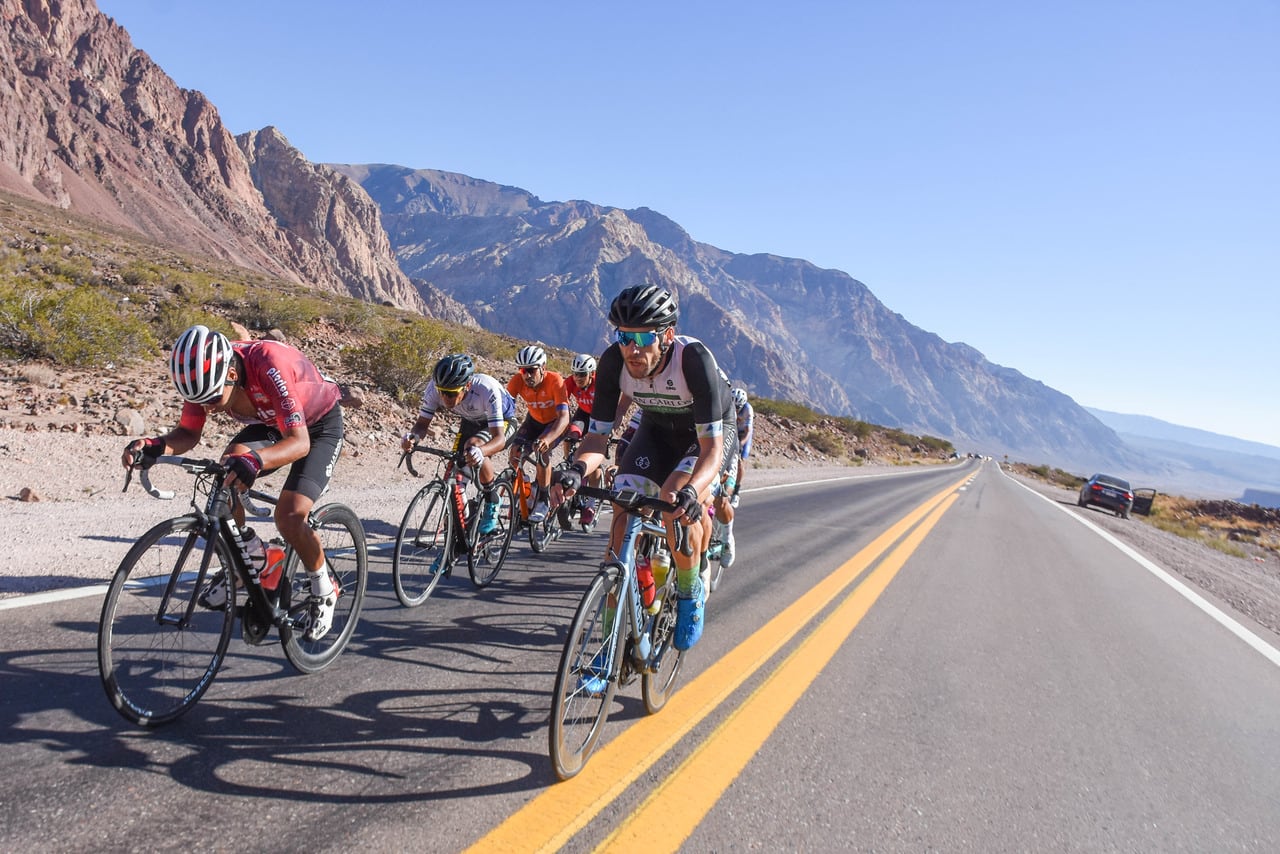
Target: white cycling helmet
[[199, 363], [583, 364], [532, 356], [739, 397]]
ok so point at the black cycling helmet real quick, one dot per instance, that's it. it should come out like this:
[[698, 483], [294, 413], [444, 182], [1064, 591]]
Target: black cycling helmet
[[453, 371], [644, 305]]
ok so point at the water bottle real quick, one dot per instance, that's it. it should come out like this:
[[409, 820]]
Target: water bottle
[[660, 563], [274, 567], [254, 552], [644, 575]]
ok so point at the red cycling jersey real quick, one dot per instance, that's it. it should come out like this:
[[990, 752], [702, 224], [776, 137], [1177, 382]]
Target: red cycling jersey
[[584, 396], [285, 387]]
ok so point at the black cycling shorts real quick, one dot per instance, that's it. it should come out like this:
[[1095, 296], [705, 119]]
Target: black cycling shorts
[[310, 475]]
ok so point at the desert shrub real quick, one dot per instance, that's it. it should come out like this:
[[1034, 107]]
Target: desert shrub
[[77, 326], [825, 442], [400, 363], [173, 317], [933, 443], [786, 409]]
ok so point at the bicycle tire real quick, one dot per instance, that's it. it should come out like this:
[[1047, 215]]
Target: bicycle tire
[[342, 538], [425, 533], [153, 671], [544, 533], [491, 550], [657, 685], [577, 716]]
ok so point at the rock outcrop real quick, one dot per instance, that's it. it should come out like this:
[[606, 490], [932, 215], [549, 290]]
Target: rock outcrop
[[90, 123]]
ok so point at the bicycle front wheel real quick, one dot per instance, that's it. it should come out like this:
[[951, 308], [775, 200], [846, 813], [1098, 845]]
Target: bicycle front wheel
[[584, 687], [659, 681], [342, 538], [490, 550], [424, 545], [158, 650]]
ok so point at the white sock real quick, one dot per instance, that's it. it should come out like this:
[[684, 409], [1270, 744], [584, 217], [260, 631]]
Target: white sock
[[321, 583]]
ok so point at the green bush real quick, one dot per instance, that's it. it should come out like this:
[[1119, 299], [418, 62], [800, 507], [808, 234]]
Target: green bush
[[786, 409], [826, 442], [401, 363], [78, 326]]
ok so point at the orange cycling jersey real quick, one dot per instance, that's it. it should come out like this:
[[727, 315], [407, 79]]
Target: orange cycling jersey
[[543, 401]]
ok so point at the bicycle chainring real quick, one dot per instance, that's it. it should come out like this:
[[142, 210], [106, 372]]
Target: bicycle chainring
[[252, 627]]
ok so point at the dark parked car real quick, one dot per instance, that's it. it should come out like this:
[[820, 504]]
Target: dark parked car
[[1107, 491]]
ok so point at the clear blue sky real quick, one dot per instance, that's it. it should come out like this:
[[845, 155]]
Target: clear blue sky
[[1087, 192]]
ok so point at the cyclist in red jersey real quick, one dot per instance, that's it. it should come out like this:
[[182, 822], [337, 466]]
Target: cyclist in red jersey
[[291, 416], [581, 386]]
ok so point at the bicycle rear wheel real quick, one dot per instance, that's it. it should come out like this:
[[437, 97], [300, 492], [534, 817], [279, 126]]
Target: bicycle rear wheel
[[578, 714], [342, 537], [424, 536], [158, 651], [658, 683], [490, 550]]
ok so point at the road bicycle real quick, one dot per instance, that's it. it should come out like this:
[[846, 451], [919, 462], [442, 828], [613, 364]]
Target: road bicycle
[[523, 489], [614, 638], [159, 649], [441, 527]]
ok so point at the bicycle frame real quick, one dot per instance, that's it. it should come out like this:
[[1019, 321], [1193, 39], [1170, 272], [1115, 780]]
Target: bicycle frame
[[217, 522]]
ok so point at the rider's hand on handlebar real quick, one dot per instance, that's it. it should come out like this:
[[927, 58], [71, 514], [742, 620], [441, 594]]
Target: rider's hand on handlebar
[[136, 450], [408, 440], [688, 504], [475, 456], [242, 469]]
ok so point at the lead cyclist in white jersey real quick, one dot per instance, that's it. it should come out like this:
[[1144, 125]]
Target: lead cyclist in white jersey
[[686, 438]]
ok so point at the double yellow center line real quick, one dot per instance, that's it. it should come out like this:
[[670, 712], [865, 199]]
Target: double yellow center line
[[551, 819]]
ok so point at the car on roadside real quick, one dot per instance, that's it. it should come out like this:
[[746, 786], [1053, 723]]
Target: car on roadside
[[1109, 491]]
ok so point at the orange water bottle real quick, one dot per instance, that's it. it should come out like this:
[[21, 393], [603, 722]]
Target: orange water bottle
[[274, 566]]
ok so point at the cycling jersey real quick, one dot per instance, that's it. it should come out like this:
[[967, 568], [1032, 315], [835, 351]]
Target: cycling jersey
[[746, 428], [286, 389], [485, 402], [544, 401], [583, 396], [684, 401]]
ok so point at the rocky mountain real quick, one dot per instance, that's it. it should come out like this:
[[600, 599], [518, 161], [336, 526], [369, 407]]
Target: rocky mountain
[[782, 327], [90, 123]]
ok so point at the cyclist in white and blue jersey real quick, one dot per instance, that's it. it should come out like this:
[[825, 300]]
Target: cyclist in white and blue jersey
[[488, 420]]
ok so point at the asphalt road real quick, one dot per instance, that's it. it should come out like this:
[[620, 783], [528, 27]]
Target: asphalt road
[[937, 660]]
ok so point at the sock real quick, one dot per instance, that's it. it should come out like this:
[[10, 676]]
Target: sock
[[321, 583], [684, 581]]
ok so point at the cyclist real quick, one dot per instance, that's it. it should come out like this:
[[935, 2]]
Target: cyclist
[[685, 439], [291, 416], [581, 386], [544, 394], [727, 501], [488, 420]]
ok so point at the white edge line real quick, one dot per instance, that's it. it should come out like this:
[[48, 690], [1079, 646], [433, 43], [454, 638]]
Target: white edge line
[[1258, 644]]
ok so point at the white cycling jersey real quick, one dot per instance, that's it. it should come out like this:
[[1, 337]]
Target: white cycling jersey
[[485, 401]]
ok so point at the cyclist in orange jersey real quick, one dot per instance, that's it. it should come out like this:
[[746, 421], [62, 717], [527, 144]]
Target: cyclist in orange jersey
[[544, 394]]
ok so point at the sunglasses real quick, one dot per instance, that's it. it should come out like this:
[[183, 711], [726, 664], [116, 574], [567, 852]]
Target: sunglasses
[[449, 392], [532, 369], [638, 339], [581, 376]]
